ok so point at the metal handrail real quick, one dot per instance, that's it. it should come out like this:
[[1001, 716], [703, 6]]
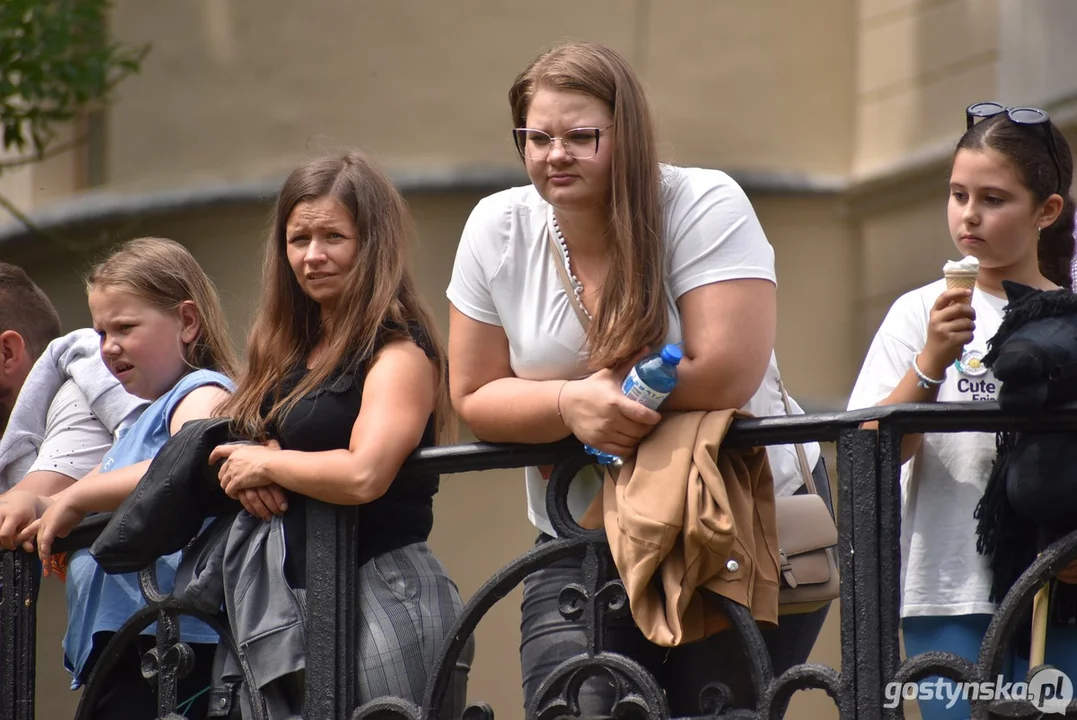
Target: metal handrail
[[869, 529]]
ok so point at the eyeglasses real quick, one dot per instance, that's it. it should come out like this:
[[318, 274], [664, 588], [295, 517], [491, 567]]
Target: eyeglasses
[[580, 143], [1019, 116]]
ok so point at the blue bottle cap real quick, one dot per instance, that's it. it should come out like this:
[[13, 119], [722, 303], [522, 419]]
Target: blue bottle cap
[[672, 354]]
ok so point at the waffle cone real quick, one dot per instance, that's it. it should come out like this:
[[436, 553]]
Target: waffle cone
[[965, 282]]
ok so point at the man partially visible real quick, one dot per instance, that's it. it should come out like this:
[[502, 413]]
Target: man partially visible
[[28, 322], [60, 404]]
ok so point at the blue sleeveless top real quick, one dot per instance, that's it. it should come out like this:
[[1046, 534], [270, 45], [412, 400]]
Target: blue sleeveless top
[[98, 602]]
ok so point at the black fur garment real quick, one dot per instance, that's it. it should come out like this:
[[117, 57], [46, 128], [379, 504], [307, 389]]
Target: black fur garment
[[1031, 495]]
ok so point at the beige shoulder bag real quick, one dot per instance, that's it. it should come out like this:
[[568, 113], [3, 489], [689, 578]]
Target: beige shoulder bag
[[806, 538], [806, 531]]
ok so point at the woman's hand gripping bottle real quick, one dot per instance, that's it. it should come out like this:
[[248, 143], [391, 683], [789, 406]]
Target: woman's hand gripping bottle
[[649, 383]]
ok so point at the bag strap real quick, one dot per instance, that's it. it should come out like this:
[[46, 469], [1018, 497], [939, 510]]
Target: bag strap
[[802, 456]]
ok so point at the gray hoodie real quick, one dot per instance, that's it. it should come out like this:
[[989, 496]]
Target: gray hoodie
[[75, 356]]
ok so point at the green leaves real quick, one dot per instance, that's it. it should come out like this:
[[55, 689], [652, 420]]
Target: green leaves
[[56, 61]]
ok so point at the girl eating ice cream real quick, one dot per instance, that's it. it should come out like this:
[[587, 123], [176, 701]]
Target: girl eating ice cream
[[1010, 215]]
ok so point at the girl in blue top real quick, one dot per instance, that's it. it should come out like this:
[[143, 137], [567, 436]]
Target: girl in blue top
[[163, 335]]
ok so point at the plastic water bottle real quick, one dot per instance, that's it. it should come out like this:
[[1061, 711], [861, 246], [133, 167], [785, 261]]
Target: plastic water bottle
[[649, 383]]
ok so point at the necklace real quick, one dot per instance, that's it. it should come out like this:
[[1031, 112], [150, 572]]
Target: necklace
[[577, 286]]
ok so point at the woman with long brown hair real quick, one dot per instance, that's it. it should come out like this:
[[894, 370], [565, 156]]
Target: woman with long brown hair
[[654, 254], [345, 378]]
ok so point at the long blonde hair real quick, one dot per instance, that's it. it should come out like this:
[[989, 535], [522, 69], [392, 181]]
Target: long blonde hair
[[632, 307], [380, 291], [164, 274]]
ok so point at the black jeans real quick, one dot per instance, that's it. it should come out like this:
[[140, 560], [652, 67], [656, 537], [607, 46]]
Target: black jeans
[[547, 640]]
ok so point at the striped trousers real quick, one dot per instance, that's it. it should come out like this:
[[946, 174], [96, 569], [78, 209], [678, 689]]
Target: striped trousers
[[408, 605]]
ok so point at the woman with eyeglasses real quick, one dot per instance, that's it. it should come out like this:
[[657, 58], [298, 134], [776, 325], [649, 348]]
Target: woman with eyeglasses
[[653, 254], [1009, 207]]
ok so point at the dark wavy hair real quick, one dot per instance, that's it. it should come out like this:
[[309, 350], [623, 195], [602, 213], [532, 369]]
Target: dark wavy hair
[[1026, 147]]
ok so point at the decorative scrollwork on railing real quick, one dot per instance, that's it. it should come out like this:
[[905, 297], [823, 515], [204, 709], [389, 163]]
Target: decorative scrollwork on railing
[[1009, 616], [809, 676], [1012, 611], [869, 600], [634, 693], [943, 664], [600, 596], [557, 489], [388, 708], [171, 659]]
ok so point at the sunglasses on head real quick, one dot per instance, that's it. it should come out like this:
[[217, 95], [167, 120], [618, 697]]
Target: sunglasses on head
[[1018, 116]]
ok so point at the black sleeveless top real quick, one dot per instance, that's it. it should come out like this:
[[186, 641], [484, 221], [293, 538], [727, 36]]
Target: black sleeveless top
[[322, 420]]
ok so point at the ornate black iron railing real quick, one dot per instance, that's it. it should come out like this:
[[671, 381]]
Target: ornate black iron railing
[[869, 561]]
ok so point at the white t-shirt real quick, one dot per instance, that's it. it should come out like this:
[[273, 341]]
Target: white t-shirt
[[74, 440], [941, 572], [504, 275]]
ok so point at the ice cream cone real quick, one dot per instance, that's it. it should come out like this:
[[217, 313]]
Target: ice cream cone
[[961, 275], [966, 282]]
